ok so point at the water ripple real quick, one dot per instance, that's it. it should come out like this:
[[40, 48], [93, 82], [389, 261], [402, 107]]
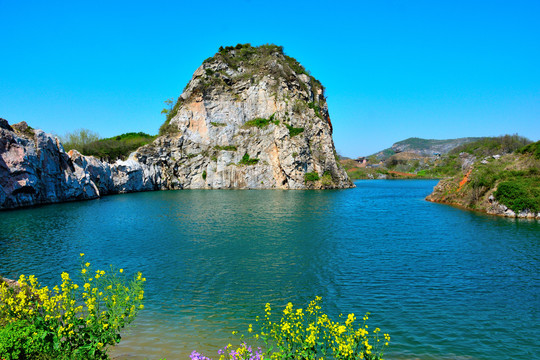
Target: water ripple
[[445, 283]]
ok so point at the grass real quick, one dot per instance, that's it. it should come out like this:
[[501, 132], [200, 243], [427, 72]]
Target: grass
[[257, 61], [513, 179], [261, 122], [226, 148], [217, 124]]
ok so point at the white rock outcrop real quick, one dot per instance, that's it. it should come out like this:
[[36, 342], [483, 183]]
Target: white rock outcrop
[[35, 169], [251, 104]]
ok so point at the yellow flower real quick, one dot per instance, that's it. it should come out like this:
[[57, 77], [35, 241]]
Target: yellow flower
[[87, 264], [121, 270], [83, 271], [82, 254]]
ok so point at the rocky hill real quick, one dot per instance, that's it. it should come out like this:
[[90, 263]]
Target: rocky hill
[[506, 184], [423, 147], [250, 118]]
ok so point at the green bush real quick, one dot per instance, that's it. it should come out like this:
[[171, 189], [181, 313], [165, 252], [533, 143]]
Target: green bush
[[217, 124], [166, 128], [520, 194], [204, 175], [484, 177], [260, 122], [326, 179], [315, 108], [226, 147], [311, 176], [294, 131], [23, 340], [246, 160], [533, 148], [78, 139]]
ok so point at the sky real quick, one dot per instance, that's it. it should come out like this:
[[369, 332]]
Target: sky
[[392, 69]]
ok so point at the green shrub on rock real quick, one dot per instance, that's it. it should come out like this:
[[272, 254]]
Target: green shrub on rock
[[311, 176]]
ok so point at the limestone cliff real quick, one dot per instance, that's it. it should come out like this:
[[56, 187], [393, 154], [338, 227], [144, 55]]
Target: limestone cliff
[[251, 117]]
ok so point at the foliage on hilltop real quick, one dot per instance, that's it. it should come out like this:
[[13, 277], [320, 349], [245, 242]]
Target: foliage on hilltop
[[244, 62], [533, 149], [110, 149], [489, 146], [415, 143]]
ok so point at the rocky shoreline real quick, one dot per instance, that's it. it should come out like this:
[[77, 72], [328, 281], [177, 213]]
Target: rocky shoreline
[[35, 169], [495, 209], [448, 192]]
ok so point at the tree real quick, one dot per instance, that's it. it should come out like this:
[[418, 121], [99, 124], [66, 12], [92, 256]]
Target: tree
[[78, 139], [168, 109]]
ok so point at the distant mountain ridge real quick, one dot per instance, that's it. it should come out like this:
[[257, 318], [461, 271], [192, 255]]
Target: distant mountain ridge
[[423, 147]]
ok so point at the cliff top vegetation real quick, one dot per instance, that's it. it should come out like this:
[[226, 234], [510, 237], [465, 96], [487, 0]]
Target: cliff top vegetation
[[245, 63], [110, 149]]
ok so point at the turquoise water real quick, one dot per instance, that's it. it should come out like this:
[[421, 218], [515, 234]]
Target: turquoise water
[[445, 283]]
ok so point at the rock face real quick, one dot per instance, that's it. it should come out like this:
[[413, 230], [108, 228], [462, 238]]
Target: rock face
[[35, 169], [251, 117]]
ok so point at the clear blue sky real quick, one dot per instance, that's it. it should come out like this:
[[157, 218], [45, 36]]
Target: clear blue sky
[[392, 69]]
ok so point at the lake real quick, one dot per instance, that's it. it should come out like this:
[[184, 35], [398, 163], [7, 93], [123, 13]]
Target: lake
[[445, 283]]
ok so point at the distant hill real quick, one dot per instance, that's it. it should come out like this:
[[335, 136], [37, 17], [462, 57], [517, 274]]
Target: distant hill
[[423, 147], [412, 163]]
